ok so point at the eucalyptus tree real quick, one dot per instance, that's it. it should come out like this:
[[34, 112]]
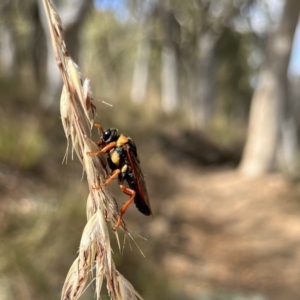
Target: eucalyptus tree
[[186, 34], [272, 135]]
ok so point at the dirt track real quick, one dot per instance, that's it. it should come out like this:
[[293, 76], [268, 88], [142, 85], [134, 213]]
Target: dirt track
[[219, 237], [231, 233]]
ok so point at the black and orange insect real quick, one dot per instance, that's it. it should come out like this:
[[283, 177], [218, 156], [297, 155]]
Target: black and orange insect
[[122, 158]]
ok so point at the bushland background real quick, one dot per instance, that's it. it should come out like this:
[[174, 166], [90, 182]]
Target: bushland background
[[209, 90]]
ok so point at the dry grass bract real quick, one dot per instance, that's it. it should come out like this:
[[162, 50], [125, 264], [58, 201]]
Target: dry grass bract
[[77, 113]]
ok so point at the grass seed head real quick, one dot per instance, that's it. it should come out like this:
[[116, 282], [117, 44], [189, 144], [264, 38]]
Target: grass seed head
[[94, 257]]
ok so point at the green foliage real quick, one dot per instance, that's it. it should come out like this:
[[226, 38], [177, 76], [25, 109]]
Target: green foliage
[[19, 17], [108, 53], [21, 145], [234, 73]]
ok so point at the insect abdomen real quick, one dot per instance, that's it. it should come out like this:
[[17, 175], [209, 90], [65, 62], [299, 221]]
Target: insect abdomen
[[141, 205], [138, 199]]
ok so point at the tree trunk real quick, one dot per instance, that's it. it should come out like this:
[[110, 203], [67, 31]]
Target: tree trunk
[[169, 79], [205, 77], [8, 53], [268, 103], [38, 46], [141, 67], [289, 145], [72, 20], [169, 59], [288, 150], [140, 73]]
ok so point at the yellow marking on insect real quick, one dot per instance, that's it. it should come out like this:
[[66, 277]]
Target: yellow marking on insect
[[115, 157], [124, 169], [122, 140]]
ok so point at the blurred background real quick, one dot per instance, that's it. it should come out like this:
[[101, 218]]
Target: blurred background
[[209, 90]]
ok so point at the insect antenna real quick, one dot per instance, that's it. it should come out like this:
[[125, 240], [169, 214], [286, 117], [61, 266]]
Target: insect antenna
[[99, 127]]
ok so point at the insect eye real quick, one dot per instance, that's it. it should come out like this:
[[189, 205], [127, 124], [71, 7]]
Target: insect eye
[[106, 135]]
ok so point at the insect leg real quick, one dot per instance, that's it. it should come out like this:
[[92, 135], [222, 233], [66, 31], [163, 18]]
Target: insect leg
[[98, 126], [114, 174], [129, 192], [104, 149]]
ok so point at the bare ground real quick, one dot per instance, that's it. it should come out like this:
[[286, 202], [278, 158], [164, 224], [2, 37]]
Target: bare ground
[[231, 233], [216, 234]]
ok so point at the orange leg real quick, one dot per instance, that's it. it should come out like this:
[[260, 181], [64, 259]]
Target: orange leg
[[99, 127], [114, 174], [129, 192], [104, 149]]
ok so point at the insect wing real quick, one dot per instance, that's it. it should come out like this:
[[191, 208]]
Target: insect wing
[[139, 177]]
